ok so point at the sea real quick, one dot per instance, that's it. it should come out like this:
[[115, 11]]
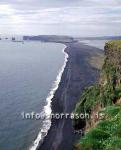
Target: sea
[[29, 75]]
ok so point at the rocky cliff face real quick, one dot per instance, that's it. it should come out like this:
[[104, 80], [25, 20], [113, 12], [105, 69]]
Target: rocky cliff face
[[103, 104]]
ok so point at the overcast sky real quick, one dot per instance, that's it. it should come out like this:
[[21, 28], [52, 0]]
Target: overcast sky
[[63, 17]]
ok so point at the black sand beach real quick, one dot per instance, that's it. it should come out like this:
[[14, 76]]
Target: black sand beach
[[78, 74]]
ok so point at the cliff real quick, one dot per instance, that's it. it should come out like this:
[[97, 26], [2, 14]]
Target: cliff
[[50, 38], [103, 104]]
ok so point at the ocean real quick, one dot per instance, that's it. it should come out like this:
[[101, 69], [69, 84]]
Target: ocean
[[27, 83]]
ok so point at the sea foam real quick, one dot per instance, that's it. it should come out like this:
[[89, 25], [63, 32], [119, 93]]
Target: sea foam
[[47, 109]]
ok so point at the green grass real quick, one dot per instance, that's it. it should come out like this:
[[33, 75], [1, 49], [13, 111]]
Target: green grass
[[114, 44], [107, 133]]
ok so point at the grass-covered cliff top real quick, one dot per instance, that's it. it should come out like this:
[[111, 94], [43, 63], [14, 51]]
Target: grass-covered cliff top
[[114, 43], [104, 134]]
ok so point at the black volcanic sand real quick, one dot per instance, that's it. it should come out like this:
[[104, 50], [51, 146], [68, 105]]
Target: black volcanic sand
[[78, 73]]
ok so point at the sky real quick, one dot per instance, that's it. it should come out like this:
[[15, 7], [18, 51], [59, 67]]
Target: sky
[[61, 17]]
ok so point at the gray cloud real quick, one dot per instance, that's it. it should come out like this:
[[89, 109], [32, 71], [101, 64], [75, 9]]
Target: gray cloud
[[60, 3], [76, 17]]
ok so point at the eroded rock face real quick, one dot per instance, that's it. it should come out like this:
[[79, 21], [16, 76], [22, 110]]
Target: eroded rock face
[[106, 92], [113, 57], [106, 95]]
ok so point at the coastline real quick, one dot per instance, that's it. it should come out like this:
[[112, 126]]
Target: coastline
[[47, 108], [76, 74]]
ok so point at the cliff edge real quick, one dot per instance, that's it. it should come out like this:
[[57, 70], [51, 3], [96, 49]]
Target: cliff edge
[[102, 128]]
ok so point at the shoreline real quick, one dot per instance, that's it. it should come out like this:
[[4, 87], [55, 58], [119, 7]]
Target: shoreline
[[56, 139], [47, 108]]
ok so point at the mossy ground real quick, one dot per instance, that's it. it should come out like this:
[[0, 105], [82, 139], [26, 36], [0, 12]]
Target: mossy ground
[[106, 135]]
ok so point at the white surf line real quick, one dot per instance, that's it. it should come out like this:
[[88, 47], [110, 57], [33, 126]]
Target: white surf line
[[47, 109]]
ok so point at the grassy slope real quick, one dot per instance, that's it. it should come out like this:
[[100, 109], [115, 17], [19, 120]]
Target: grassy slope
[[105, 97]]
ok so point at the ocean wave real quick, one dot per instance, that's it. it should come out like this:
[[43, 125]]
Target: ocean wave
[[47, 109]]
